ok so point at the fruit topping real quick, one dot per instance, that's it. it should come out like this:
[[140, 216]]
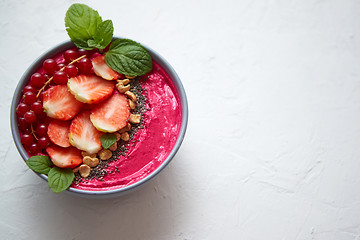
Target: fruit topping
[[58, 132], [59, 103], [29, 97], [43, 142], [83, 134], [37, 107], [102, 69], [22, 108], [64, 157], [71, 70], [90, 89], [37, 80], [70, 55], [50, 66], [30, 116], [112, 114], [85, 66], [60, 78]]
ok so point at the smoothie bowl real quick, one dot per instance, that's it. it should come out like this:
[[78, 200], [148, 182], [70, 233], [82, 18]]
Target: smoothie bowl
[[94, 131]]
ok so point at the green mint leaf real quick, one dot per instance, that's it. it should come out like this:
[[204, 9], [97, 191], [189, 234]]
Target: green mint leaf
[[128, 57], [103, 35], [40, 164], [93, 44], [60, 179], [107, 140], [81, 23]]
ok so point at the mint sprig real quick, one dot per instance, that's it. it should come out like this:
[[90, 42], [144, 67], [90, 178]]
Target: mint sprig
[[87, 30], [107, 140], [103, 35], [59, 179], [41, 164], [128, 57]]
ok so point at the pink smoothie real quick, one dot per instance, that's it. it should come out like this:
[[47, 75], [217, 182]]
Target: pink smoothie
[[156, 140]]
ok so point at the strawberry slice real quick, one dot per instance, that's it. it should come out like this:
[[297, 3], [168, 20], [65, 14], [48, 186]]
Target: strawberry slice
[[58, 132], [90, 88], [64, 157], [83, 134], [59, 103], [112, 114], [103, 70]]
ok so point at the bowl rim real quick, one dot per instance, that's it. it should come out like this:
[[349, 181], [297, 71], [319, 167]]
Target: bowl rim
[[66, 45]]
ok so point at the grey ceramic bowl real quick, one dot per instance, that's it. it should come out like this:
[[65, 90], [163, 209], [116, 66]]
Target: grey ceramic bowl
[[110, 193]]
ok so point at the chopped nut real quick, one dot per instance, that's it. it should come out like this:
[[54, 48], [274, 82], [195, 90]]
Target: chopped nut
[[121, 88], [84, 170], [84, 154], [75, 170], [130, 77], [117, 136], [105, 154], [131, 96], [134, 118], [124, 82], [125, 136], [91, 162], [113, 147], [131, 104], [126, 128]]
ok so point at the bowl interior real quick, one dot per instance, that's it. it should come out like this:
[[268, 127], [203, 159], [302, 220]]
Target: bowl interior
[[114, 192]]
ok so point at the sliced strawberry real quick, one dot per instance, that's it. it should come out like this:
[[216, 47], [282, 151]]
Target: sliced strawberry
[[103, 70], [58, 132], [90, 88], [64, 157], [59, 103], [83, 134], [112, 114]]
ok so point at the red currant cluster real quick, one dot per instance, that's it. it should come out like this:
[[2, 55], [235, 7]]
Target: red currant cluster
[[32, 120]]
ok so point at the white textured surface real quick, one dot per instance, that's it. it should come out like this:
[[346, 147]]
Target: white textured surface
[[272, 147]]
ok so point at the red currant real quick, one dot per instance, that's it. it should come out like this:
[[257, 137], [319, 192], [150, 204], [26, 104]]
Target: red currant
[[71, 70], [60, 77], [41, 95], [22, 108], [37, 107], [27, 139], [37, 80], [85, 66], [43, 142], [61, 65], [29, 98], [82, 52], [29, 88], [47, 76], [34, 149], [30, 117], [50, 66], [22, 124], [41, 130], [27, 131], [70, 55]]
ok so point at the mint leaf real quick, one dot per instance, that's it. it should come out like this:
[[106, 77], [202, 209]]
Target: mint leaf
[[107, 140], [40, 164], [103, 35], [128, 57], [81, 23], [60, 179]]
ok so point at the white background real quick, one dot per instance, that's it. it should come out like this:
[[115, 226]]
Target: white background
[[272, 147]]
